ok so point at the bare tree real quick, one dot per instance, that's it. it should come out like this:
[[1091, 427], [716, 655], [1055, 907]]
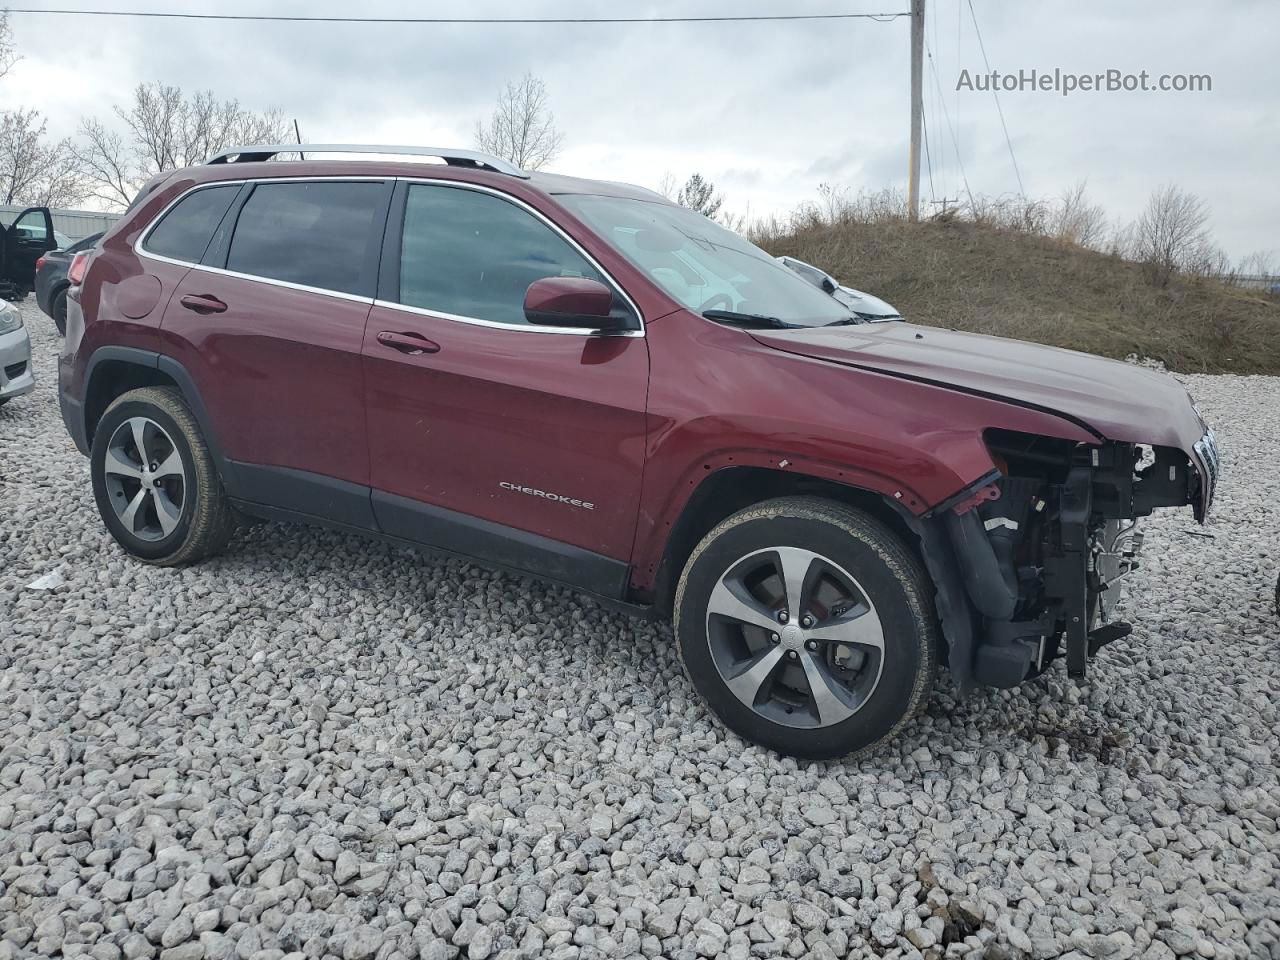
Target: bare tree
[[1076, 220], [668, 186], [1260, 263], [8, 57], [34, 171], [1206, 259], [108, 164], [522, 128], [699, 195], [1171, 233], [165, 129]]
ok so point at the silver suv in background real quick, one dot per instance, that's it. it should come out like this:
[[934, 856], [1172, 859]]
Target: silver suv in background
[[15, 355], [864, 305]]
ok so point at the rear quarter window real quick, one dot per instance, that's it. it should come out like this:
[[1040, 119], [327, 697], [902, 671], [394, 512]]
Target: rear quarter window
[[312, 234], [185, 231]]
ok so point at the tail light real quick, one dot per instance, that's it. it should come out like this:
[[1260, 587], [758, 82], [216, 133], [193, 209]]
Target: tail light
[[39, 264], [79, 263]]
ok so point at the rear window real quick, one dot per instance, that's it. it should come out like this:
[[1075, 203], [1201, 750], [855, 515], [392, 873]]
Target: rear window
[[186, 230], [314, 234]]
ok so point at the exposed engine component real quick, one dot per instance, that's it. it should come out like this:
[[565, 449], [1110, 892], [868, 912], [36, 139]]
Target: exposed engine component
[[1043, 563]]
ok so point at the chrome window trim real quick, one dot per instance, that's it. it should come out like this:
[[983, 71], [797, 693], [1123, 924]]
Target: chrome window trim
[[271, 281], [497, 325], [555, 228], [139, 247]]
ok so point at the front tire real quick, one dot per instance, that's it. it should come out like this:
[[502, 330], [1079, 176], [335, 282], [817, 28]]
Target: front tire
[[807, 627], [154, 481]]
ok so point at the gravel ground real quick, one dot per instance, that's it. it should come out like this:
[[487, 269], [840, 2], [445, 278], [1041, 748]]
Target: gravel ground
[[324, 747]]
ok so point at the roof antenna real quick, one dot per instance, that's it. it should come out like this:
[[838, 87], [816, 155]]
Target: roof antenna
[[298, 135]]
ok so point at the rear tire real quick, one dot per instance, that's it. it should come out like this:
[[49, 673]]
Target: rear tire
[[166, 505], [853, 654], [58, 310]]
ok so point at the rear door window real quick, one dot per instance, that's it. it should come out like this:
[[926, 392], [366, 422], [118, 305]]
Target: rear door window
[[473, 255], [186, 230], [317, 234]]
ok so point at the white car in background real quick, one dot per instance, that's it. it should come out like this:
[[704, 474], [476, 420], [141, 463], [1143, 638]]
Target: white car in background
[[864, 305], [15, 355]]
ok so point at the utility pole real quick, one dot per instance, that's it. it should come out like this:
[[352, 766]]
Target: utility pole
[[917, 108]]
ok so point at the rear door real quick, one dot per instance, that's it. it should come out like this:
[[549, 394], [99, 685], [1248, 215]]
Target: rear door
[[25, 241], [513, 443], [269, 326]]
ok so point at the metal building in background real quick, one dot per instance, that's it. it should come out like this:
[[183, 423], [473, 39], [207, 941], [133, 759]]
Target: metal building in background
[[73, 224]]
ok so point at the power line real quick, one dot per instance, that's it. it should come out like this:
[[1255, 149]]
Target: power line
[[1000, 110], [947, 116], [282, 18], [959, 60], [928, 160]]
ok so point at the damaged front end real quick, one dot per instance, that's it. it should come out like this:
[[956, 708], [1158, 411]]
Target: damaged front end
[[1029, 562]]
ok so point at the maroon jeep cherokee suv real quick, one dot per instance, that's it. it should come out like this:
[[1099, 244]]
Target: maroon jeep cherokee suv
[[581, 381]]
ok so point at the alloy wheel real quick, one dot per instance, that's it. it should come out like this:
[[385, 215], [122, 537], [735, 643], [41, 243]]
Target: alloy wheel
[[145, 480], [795, 637]]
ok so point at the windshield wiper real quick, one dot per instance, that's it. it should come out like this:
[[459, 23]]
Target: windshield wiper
[[846, 322], [747, 319]]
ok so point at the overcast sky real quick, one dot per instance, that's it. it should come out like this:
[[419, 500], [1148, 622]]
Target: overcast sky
[[767, 111]]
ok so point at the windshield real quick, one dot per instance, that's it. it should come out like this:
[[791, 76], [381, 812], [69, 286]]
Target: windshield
[[701, 264]]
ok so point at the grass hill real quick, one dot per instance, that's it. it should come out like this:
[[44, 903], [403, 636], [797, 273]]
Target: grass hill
[[972, 276]]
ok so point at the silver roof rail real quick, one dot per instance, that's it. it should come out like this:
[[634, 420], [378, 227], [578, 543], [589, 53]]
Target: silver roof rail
[[450, 155]]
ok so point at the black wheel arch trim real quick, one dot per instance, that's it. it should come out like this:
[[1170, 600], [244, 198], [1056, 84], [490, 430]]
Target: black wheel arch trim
[[951, 599], [176, 372]]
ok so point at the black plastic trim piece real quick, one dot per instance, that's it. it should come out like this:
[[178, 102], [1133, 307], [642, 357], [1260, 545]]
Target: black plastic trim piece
[[955, 611], [503, 546], [287, 515], [72, 411], [389, 269], [215, 252], [302, 491], [1065, 576]]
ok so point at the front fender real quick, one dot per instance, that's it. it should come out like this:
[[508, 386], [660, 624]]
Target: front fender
[[718, 398]]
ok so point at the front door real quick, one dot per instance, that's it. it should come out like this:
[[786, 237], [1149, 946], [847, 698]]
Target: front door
[[25, 241], [488, 436]]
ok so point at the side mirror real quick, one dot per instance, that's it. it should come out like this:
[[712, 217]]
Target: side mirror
[[570, 302]]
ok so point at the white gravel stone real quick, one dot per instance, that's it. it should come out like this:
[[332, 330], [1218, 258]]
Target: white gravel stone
[[317, 746]]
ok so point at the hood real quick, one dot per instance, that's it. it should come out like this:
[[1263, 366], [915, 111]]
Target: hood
[[1117, 401]]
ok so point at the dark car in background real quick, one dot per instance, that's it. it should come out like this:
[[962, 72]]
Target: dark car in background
[[52, 282]]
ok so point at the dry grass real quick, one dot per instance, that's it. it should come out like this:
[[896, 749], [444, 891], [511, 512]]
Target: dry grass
[[971, 276]]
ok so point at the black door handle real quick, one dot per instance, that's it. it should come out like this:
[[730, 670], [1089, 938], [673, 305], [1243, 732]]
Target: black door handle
[[410, 343], [203, 303]]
